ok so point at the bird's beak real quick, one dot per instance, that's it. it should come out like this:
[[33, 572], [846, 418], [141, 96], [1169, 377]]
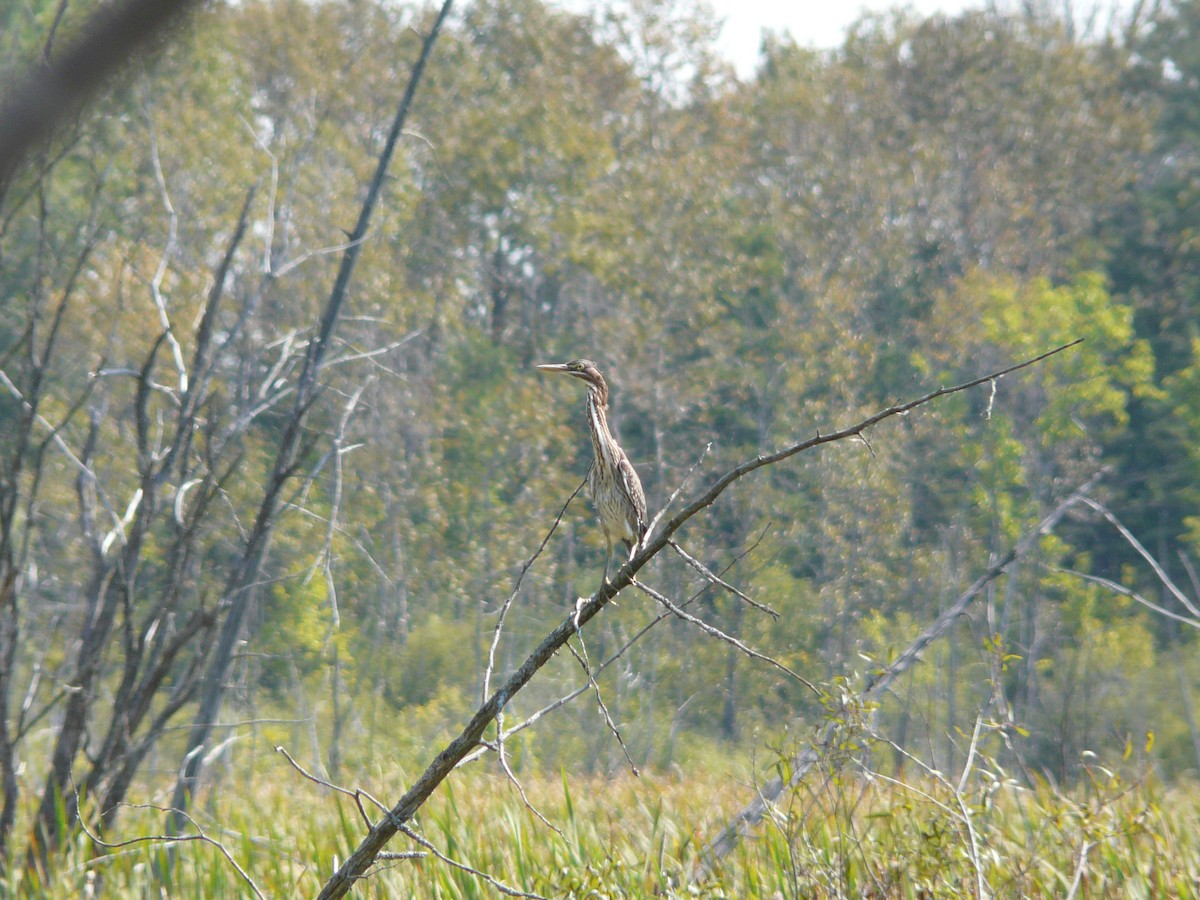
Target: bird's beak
[[552, 367]]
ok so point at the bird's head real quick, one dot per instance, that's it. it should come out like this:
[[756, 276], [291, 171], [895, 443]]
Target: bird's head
[[583, 369]]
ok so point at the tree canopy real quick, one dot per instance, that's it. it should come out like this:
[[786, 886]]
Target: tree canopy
[[750, 260]]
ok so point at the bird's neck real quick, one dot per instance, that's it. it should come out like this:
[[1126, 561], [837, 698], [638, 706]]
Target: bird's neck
[[597, 412]]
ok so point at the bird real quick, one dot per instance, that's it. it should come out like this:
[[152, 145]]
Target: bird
[[613, 482]]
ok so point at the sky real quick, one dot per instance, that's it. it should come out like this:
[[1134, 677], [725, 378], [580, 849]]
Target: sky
[[815, 23]]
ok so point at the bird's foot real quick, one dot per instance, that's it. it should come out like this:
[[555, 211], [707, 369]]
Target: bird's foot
[[608, 583]]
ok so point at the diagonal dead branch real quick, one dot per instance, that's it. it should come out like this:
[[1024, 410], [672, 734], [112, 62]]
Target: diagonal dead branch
[[1145, 554], [1133, 595], [471, 736]]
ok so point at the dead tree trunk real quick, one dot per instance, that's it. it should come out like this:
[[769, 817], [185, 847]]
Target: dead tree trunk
[[239, 589]]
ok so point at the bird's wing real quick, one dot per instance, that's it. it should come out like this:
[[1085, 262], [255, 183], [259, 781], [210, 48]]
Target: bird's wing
[[631, 487]]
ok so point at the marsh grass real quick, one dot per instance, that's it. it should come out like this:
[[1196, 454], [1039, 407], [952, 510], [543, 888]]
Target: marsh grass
[[854, 835]]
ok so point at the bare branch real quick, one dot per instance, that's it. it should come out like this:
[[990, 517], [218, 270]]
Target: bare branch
[[713, 631], [1145, 554], [581, 657], [882, 679], [500, 886], [678, 490], [472, 735], [171, 840], [164, 262], [525, 567], [282, 270], [713, 579], [516, 782], [356, 794]]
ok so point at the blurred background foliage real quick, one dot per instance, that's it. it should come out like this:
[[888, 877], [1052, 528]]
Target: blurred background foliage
[[750, 260]]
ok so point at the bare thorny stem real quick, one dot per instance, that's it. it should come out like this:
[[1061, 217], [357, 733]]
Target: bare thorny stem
[[471, 737]]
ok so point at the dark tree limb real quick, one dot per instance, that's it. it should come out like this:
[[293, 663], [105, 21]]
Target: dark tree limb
[[54, 91], [240, 586], [357, 864]]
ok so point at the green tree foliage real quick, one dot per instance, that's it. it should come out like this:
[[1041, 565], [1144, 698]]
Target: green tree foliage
[[751, 261]]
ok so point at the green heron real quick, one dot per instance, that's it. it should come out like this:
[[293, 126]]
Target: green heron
[[615, 486]]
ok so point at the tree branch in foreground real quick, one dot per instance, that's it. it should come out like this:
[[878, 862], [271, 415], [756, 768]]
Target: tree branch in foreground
[[113, 37], [471, 737]]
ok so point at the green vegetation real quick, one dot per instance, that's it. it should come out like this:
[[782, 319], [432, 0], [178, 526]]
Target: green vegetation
[[853, 835], [751, 262]]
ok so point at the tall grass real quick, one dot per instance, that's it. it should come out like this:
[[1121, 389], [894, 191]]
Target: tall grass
[[850, 836]]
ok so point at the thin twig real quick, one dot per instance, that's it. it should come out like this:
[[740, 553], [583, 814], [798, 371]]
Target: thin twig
[[498, 885], [1132, 595], [713, 579], [169, 840], [1191, 572], [713, 631], [164, 262], [324, 559], [516, 782], [356, 794], [608, 719], [679, 489], [525, 567]]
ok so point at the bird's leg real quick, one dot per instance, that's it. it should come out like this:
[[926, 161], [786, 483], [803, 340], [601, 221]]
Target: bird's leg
[[607, 555]]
